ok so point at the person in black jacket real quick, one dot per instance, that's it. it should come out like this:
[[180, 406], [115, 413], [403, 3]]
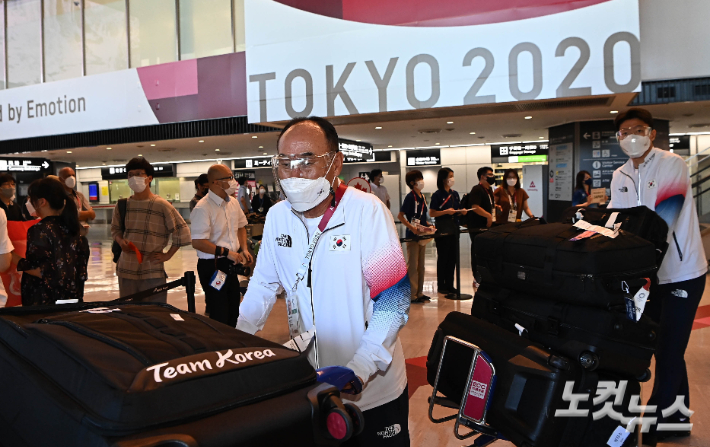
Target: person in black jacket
[[261, 201], [55, 264], [12, 209]]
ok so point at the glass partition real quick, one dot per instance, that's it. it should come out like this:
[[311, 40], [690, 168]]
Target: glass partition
[[118, 189], [205, 28], [106, 36], [24, 56], [153, 32], [62, 39]]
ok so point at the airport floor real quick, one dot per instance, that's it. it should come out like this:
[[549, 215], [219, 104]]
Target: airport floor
[[416, 337]]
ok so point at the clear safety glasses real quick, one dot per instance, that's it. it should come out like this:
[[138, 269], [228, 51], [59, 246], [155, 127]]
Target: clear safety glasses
[[641, 131], [306, 165]]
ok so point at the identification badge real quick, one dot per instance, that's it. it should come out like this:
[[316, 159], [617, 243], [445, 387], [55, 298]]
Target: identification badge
[[415, 222], [261, 210], [301, 342], [512, 215], [218, 280], [340, 243]]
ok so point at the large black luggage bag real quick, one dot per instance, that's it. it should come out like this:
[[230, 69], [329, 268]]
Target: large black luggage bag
[[100, 374], [593, 271], [638, 220], [597, 338], [529, 386]]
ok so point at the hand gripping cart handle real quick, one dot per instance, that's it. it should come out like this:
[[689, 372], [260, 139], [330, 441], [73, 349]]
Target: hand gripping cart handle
[[476, 399]]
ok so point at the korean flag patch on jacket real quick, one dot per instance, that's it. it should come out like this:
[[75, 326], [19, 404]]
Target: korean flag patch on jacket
[[340, 243]]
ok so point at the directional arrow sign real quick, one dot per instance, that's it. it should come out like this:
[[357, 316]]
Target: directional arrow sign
[[587, 136], [45, 165]]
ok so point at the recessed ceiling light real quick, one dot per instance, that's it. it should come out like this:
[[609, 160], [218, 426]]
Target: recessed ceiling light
[[542, 138], [103, 164], [266, 153], [140, 155], [389, 145], [261, 147], [44, 150], [528, 117], [68, 152], [472, 133], [358, 140], [437, 143], [108, 148], [201, 141], [614, 111], [378, 127], [152, 145], [254, 136], [449, 122], [216, 150]]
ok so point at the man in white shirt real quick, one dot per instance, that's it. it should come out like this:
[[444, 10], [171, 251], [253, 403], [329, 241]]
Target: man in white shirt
[[336, 253], [378, 188], [659, 180], [218, 235]]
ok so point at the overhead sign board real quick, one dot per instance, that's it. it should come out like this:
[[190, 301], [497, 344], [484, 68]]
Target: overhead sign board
[[24, 165], [355, 151], [519, 153], [376, 57], [252, 163], [424, 157], [120, 173]]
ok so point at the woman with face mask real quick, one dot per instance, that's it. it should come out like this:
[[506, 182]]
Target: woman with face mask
[[445, 208], [582, 196], [261, 201], [413, 215], [55, 264], [511, 199]]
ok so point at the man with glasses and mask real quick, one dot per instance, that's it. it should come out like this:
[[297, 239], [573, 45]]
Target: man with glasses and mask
[[659, 180], [68, 178], [336, 253], [150, 222], [218, 235]]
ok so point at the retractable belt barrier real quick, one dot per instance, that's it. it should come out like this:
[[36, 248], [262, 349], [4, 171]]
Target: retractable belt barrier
[[188, 280], [461, 230]]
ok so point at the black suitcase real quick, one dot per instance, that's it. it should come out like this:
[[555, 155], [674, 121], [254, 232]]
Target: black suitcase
[[530, 383], [598, 338], [594, 271], [108, 374], [638, 220]]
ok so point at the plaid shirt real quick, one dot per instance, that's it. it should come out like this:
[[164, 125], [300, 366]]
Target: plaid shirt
[[149, 225]]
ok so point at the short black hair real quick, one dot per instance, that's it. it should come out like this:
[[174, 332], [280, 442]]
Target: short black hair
[[201, 180], [239, 177], [6, 178], [636, 113], [483, 171], [412, 176], [331, 135], [579, 181], [442, 177], [375, 173], [140, 163]]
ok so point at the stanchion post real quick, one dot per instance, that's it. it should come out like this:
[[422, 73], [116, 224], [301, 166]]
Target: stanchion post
[[189, 280], [458, 296]]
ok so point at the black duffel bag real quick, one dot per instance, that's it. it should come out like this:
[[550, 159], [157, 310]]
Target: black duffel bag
[[599, 339], [148, 374], [638, 220], [542, 260]]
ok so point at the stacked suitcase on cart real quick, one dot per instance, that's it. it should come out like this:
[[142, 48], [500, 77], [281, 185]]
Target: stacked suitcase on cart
[[556, 317]]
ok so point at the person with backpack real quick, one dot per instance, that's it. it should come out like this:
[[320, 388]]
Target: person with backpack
[[55, 263]]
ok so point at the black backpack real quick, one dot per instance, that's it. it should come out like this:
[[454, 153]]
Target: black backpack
[[115, 248]]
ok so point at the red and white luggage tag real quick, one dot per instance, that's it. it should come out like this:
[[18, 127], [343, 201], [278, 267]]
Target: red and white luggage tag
[[481, 384]]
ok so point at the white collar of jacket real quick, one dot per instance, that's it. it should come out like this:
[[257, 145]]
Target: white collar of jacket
[[628, 167]]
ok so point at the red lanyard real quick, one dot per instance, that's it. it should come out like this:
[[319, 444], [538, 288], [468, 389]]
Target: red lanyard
[[447, 199], [342, 187]]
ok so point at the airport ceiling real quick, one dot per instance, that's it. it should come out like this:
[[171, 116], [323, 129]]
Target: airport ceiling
[[397, 130]]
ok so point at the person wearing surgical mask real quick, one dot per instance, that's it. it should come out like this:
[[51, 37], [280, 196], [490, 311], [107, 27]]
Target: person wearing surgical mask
[[481, 203], [446, 209], [511, 199], [8, 201], [218, 229], [151, 222], [659, 180], [413, 215], [261, 201], [67, 177], [582, 195], [334, 251]]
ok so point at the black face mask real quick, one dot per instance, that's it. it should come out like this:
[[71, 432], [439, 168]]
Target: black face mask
[[491, 179]]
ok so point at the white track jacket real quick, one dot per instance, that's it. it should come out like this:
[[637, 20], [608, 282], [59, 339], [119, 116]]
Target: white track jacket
[[358, 290], [662, 184]]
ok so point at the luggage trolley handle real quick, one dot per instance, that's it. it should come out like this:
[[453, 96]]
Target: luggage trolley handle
[[474, 402]]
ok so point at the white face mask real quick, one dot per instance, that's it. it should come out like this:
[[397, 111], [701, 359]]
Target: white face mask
[[451, 182], [232, 188], [419, 186], [70, 182], [262, 191], [137, 184], [30, 208], [635, 145], [512, 181], [304, 193]]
